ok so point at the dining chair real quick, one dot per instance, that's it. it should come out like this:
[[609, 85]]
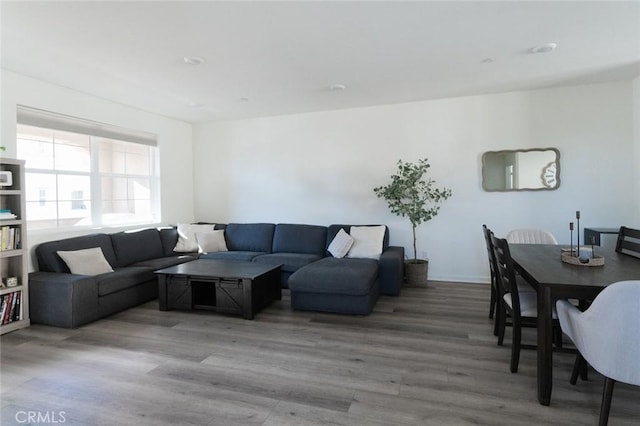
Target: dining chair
[[628, 241], [607, 336], [523, 286], [487, 239], [521, 306], [530, 236]]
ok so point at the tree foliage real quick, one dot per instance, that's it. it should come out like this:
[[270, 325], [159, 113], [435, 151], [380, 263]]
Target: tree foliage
[[413, 195]]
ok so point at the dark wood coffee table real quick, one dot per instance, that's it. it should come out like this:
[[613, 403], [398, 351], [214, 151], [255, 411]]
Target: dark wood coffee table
[[219, 285]]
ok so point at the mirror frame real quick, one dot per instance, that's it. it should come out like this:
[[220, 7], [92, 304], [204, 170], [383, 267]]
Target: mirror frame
[[542, 173]]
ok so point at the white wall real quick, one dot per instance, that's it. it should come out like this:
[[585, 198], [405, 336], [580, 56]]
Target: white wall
[[174, 139], [321, 167]]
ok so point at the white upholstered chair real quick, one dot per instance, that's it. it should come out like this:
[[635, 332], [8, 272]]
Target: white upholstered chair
[[607, 335], [530, 236]]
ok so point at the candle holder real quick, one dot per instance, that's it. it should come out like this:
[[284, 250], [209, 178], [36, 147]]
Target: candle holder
[[578, 220], [573, 256], [571, 244]]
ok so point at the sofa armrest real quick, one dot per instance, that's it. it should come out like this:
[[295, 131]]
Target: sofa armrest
[[61, 299], [391, 266]]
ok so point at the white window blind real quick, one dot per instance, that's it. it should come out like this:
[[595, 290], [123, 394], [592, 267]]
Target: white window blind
[[85, 173], [51, 120]]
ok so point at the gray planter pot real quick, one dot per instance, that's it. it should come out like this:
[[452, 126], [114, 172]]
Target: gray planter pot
[[416, 272]]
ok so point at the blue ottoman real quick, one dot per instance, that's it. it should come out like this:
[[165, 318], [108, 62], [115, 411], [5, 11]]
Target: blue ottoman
[[345, 286]]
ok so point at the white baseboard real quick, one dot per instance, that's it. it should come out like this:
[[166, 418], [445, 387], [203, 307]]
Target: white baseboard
[[471, 279]]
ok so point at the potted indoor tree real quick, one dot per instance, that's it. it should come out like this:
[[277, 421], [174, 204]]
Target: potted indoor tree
[[412, 194]]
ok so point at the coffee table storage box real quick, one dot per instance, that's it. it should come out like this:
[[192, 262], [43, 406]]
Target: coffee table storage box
[[226, 286], [179, 295], [216, 294], [227, 295]]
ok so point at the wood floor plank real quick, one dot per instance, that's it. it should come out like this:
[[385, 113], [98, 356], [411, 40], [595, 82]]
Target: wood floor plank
[[427, 357], [266, 384], [292, 414]]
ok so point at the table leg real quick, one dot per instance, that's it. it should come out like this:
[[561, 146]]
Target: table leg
[[247, 305], [162, 293], [545, 349], [275, 285]]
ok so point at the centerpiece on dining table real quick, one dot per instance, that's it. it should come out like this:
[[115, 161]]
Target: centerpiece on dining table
[[581, 256]]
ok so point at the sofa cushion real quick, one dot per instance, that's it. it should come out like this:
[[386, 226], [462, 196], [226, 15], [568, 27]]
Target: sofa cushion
[[232, 255], [122, 278], [367, 241], [251, 237], [292, 238], [135, 246], [186, 237], [211, 241], [290, 262], [341, 244], [49, 261], [336, 276], [165, 262], [169, 238], [332, 230], [89, 261]]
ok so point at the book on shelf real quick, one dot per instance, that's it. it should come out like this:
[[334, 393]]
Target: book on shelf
[[11, 307], [3, 306], [16, 307], [10, 238], [7, 215], [6, 315]]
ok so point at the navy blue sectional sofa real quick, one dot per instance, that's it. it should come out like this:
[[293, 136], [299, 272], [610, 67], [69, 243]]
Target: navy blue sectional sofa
[[317, 281]]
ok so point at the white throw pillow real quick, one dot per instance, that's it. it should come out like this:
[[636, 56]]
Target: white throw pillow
[[86, 262], [187, 239], [340, 244], [210, 242], [367, 241]]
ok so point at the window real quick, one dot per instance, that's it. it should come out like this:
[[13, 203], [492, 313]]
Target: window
[[82, 173]]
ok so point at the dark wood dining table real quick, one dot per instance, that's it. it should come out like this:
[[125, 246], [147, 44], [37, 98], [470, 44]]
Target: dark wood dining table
[[553, 279]]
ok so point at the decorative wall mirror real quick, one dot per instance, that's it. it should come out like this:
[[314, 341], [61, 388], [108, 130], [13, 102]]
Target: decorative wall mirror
[[521, 170]]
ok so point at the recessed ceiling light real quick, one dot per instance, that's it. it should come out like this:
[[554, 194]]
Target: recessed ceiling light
[[544, 48], [194, 60], [337, 87]]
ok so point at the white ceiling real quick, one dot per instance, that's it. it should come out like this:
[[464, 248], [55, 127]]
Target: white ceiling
[[283, 56]]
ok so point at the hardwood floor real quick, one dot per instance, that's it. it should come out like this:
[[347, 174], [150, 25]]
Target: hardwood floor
[[427, 357]]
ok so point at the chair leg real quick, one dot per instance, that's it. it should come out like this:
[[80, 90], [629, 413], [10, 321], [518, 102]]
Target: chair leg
[[495, 310], [492, 308], [558, 336], [501, 320], [577, 368], [515, 346], [607, 393], [583, 371]]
